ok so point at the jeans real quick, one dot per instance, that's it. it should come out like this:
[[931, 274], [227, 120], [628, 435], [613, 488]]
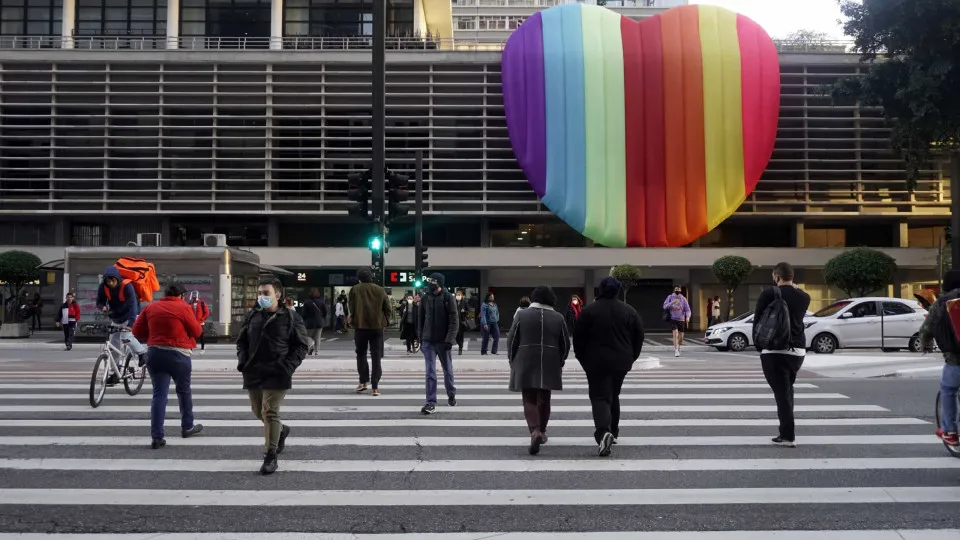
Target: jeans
[[69, 329], [491, 331], [536, 409], [780, 370], [949, 384], [604, 390], [266, 407], [118, 338], [362, 338], [431, 354], [164, 364]]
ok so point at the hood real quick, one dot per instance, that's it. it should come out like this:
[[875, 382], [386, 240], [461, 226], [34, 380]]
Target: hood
[[111, 271], [610, 287], [438, 277]]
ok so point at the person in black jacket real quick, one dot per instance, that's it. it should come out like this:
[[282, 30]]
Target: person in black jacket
[[271, 346], [607, 339], [438, 332], [315, 317]]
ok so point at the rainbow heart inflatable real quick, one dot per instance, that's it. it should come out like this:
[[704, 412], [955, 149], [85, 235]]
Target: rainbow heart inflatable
[[645, 133]]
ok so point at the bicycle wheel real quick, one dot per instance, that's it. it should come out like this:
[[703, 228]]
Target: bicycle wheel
[[98, 380], [133, 382], [954, 451]]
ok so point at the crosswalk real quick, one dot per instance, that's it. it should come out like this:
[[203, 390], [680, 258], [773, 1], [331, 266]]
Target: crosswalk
[[693, 461]]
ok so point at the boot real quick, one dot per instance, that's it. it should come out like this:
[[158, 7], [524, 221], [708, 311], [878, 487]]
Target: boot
[[269, 463]]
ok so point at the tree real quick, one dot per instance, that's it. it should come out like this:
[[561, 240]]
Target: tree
[[910, 55], [731, 271], [628, 275], [860, 271], [809, 41], [17, 268]]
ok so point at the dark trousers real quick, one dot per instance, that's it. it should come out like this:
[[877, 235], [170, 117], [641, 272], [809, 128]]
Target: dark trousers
[[491, 332], [69, 329], [605, 400], [163, 365], [780, 370], [460, 331], [536, 409], [35, 319], [363, 338], [202, 340]]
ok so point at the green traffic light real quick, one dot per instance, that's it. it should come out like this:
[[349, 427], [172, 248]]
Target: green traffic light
[[418, 284], [375, 243]]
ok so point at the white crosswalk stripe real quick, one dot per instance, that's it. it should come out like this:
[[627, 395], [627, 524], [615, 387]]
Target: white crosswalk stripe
[[693, 460]]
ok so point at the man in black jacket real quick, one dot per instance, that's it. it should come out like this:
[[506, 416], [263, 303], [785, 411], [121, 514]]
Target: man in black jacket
[[438, 332], [271, 345], [607, 339]]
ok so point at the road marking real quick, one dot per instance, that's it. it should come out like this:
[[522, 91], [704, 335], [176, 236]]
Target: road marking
[[732, 440], [367, 409], [496, 497], [468, 386], [350, 395]]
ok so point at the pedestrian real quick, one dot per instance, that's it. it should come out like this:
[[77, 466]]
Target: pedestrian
[[438, 332], [271, 345], [170, 328], [716, 310], [340, 314], [607, 340], [315, 317], [369, 308], [202, 313], [537, 347], [489, 323], [67, 319], [409, 315], [573, 312], [36, 310], [709, 318], [938, 326], [463, 308], [678, 310], [780, 366], [524, 304]]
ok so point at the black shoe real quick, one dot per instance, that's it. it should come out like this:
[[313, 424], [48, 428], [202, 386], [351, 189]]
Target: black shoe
[[158, 443], [536, 439], [112, 380], [428, 409], [605, 443], [187, 433], [780, 441], [269, 463], [452, 401], [460, 351], [282, 443], [142, 360]]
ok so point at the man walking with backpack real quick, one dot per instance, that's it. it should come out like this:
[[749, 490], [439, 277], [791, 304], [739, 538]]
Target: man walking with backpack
[[937, 326], [778, 334]]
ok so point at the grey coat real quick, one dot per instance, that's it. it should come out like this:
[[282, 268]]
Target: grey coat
[[537, 347]]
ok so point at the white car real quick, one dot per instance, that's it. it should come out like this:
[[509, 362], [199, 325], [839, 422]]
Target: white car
[[733, 335], [889, 324]]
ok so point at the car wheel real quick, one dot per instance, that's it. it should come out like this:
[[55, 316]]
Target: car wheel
[[737, 342], [915, 345], [824, 344]]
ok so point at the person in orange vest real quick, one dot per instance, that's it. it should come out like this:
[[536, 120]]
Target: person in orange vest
[[202, 312]]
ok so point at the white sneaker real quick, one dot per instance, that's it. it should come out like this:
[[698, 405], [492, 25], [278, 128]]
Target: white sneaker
[[676, 353]]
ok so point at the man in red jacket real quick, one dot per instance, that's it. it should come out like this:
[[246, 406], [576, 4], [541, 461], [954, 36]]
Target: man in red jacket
[[170, 328], [202, 312]]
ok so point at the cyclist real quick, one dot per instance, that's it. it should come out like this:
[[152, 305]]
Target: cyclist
[[949, 346], [122, 307]]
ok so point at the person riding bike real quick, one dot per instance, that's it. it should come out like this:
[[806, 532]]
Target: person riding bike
[[950, 347], [118, 300]]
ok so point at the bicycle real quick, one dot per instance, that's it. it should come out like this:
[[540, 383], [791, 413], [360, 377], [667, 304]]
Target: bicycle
[[106, 365], [953, 450]]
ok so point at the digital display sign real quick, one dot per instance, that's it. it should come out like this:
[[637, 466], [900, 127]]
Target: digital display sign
[[401, 278]]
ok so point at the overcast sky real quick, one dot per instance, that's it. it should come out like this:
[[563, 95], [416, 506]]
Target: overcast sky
[[780, 17]]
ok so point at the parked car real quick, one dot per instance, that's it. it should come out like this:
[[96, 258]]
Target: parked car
[[889, 324], [734, 335]]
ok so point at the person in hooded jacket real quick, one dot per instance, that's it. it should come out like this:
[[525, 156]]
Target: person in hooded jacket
[[118, 300], [270, 347], [537, 347], [607, 339], [438, 332]]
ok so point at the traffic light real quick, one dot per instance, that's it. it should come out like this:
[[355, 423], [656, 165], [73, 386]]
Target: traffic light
[[375, 243], [418, 283], [397, 194], [359, 193], [423, 258]]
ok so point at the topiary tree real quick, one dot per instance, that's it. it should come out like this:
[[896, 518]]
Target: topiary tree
[[731, 271], [17, 268], [628, 275], [860, 271]]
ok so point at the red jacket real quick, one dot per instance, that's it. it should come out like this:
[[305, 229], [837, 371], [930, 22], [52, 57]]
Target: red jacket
[[201, 311], [168, 322]]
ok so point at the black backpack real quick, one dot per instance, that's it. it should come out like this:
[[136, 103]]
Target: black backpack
[[940, 324], [771, 329]]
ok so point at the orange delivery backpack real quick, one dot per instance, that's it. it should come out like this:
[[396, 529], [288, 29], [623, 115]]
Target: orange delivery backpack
[[141, 274]]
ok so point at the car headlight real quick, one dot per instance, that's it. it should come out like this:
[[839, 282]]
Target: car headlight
[[722, 329]]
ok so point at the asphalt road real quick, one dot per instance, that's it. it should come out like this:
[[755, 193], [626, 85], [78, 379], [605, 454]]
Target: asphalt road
[[693, 457]]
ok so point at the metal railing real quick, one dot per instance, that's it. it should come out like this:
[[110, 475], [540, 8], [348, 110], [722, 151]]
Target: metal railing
[[311, 43]]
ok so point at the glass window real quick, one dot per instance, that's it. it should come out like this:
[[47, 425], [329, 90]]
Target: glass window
[[31, 17], [121, 17], [866, 309], [896, 308], [832, 309]]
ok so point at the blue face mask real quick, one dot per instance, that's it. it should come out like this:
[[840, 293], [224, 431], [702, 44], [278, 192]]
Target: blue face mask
[[265, 301]]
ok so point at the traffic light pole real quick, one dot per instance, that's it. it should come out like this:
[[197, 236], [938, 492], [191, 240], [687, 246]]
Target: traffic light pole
[[378, 123], [418, 214]]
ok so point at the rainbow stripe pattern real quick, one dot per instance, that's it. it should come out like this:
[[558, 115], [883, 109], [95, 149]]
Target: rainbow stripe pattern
[[645, 133]]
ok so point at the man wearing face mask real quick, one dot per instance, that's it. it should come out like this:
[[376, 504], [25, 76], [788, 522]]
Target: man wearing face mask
[[462, 309], [271, 346], [438, 332]]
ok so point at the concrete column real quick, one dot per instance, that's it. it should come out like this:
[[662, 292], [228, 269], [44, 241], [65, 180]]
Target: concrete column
[[61, 232], [798, 234], [902, 234], [273, 232], [166, 232], [173, 24], [276, 24], [484, 232], [589, 283], [484, 283], [67, 24]]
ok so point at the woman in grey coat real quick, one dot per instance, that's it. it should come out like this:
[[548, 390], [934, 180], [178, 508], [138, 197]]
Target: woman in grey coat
[[537, 348]]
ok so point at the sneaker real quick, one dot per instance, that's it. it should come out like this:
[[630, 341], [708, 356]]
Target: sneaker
[[158, 443], [605, 443], [269, 463], [187, 433], [949, 438], [676, 353], [428, 409], [375, 392], [112, 380], [282, 443], [780, 441], [452, 401], [361, 388], [543, 438], [536, 439]]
